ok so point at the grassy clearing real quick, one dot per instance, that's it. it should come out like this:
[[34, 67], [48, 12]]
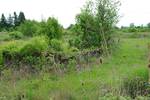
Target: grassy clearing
[[129, 60]]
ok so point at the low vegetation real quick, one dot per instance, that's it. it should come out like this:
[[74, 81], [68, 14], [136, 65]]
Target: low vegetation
[[90, 60]]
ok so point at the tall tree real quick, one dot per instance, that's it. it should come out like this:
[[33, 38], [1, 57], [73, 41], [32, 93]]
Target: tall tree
[[97, 20], [87, 21], [148, 25], [16, 22], [10, 21], [107, 17], [3, 21], [21, 17]]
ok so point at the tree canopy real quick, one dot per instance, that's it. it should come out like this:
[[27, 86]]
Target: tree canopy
[[11, 21], [97, 20]]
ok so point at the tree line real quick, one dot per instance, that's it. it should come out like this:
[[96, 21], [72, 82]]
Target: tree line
[[12, 21], [135, 28]]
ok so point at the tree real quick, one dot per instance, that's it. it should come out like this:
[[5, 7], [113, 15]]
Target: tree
[[3, 21], [28, 28], [148, 25], [51, 28], [10, 21], [132, 25], [21, 17], [16, 22], [107, 17], [97, 21], [87, 21]]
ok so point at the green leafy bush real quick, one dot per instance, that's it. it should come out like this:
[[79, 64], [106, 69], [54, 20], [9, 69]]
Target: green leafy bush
[[56, 45], [9, 52], [132, 29], [20, 50], [76, 42], [51, 28], [13, 46], [16, 35], [62, 47], [29, 28], [34, 47]]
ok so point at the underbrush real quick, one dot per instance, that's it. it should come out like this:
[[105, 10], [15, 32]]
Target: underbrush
[[18, 50], [16, 35], [71, 86], [36, 53], [69, 74], [9, 36], [136, 84]]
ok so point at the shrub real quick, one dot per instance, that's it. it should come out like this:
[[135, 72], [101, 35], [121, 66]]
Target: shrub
[[136, 83], [133, 29], [9, 53], [62, 47], [34, 47], [76, 42], [16, 35], [51, 28], [29, 28], [56, 45], [12, 47], [23, 51]]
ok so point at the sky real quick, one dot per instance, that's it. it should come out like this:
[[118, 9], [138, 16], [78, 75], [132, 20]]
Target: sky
[[131, 11]]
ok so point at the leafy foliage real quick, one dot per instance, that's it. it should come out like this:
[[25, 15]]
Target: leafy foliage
[[56, 45], [3, 22], [34, 46], [96, 21], [51, 28], [29, 28], [11, 22], [18, 49], [21, 17], [16, 35]]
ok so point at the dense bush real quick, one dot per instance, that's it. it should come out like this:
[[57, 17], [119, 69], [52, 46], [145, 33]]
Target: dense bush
[[16, 35], [76, 42], [62, 47], [20, 50], [36, 53], [34, 47], [56, 45], [9, 52], [133, 29], [51, 28], [29, 28]]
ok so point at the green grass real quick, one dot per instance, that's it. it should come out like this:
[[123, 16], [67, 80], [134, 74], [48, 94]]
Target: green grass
[[128, 60]]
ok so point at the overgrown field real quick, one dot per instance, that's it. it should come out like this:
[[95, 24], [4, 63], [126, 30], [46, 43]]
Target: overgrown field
[[122, 76], [92, 59]]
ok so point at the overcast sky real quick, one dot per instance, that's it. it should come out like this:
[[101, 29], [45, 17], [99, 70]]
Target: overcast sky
[[132, 11]]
